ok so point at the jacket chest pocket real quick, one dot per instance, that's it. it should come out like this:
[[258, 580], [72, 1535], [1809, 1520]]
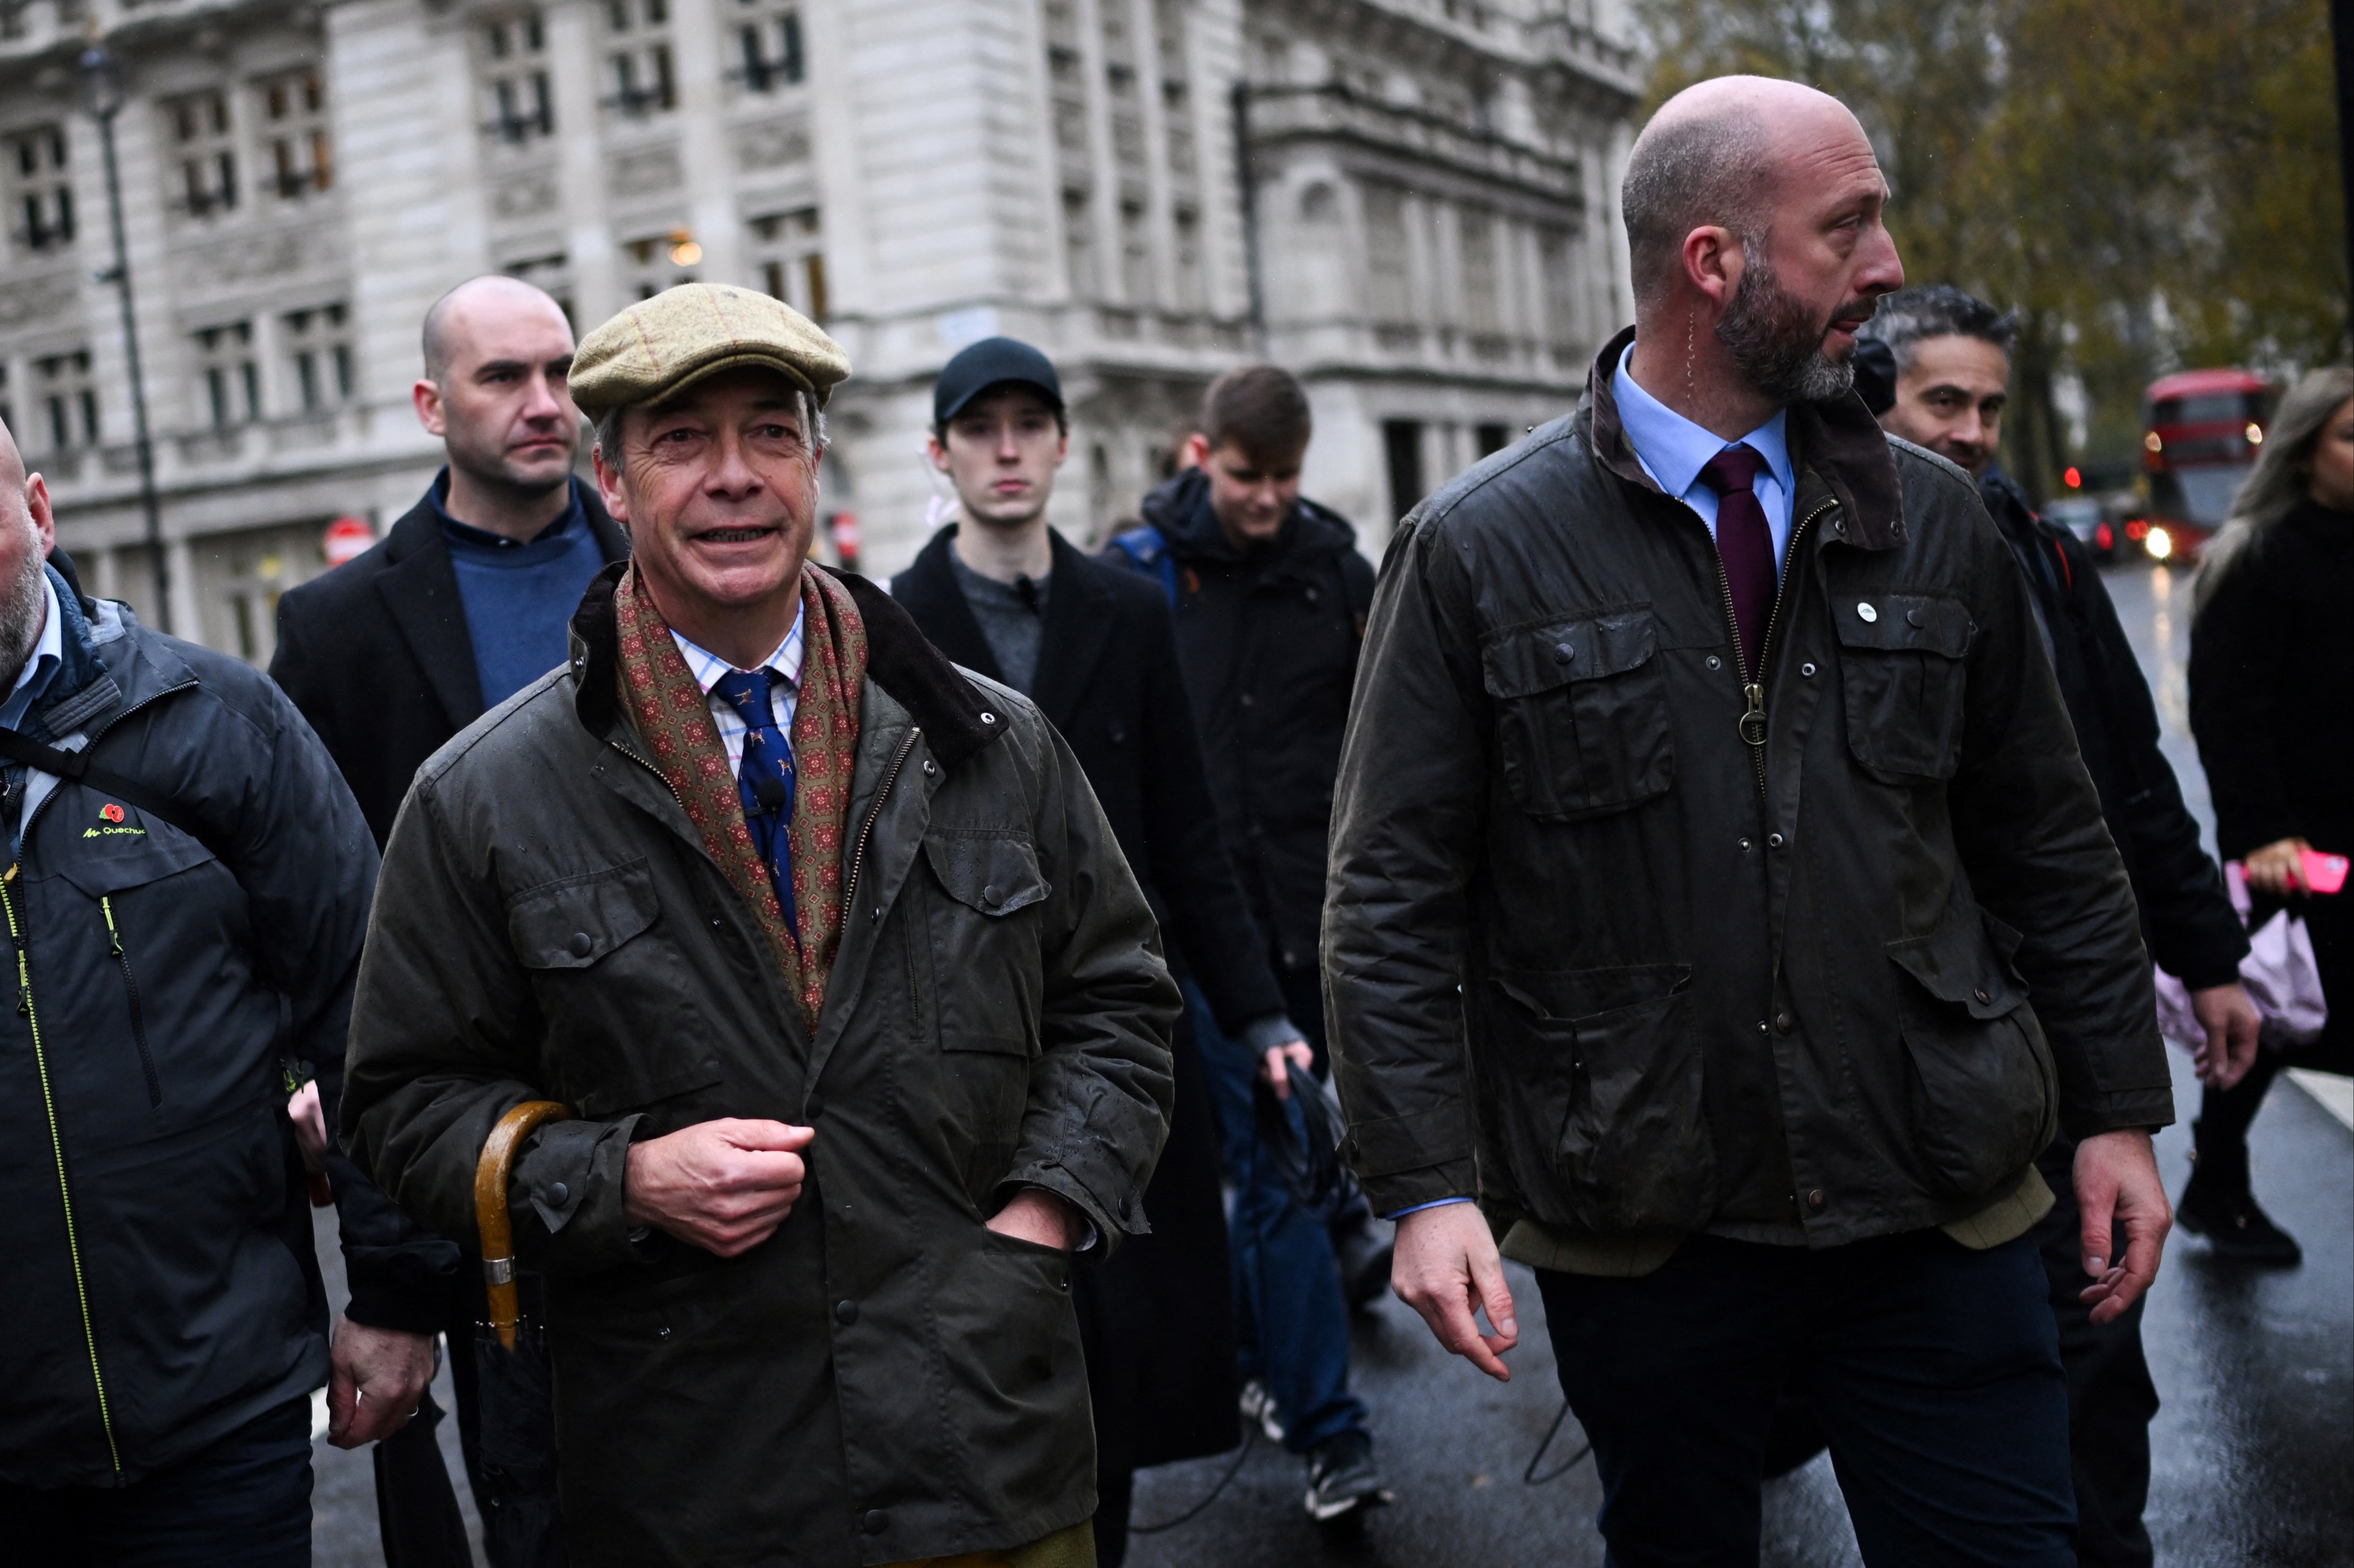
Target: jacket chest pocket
[[1582, 715], [987, 963], [622, 1031], [1901, 666]]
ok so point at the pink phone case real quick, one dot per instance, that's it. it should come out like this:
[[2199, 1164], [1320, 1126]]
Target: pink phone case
[[2322, 872]]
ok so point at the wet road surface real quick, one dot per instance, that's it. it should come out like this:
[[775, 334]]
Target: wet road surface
[[2254, 1447]]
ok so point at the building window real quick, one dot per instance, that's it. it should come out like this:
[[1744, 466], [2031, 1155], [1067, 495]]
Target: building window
[[1135, 254], [294, 116], [68, 399], [1386, 277], [1402, 448], [1560, 259], [768, 40], [640, 63], [790, 249], [1478, 252], [515, 75], [319, 351], [1191, 294], [1079, 245], [661, 261], [201, 153], [232, 381], [43, 207]]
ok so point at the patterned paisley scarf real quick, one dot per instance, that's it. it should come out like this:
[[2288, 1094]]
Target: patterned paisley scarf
[[674, 718]]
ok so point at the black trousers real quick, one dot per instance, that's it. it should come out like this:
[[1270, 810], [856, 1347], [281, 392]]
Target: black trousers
[[243, 1502], [2111, 1399], [1934, 1370]]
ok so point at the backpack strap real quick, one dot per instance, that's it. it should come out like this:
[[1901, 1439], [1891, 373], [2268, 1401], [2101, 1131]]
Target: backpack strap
[[1144, 545], [77, 767]]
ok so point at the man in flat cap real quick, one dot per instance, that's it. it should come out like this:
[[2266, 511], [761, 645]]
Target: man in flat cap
[[858, 1014]]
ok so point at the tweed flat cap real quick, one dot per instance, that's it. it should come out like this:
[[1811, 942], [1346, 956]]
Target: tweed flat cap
[[657, 346]]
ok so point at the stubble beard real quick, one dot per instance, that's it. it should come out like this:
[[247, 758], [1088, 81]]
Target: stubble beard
[[22, 609], [1776, 340]]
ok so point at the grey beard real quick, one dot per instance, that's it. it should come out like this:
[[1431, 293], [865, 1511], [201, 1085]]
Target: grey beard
[[1776, 343], [21, 609]]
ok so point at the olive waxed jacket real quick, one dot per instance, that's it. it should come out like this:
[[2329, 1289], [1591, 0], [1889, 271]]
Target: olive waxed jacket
[[1777, 990], [884, 1378]]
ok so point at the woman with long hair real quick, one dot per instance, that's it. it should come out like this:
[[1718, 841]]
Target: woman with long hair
[[2271, 704]]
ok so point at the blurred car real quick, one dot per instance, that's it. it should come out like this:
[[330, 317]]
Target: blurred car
[[2083, 516]]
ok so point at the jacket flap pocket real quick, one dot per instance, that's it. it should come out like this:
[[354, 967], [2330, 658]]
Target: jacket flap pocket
[[1960, 963], [132, 859], [994, 872], [1563, 996], [1534, 658], [1904, 622], [571, 924]]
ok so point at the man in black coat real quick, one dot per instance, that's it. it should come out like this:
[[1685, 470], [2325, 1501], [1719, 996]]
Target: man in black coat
[[464, 603], [1270, 597], [1004, 594], [1951, 358]]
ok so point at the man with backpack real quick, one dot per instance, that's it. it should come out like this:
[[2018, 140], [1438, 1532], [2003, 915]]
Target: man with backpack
[[186, 891], [1269, 595]]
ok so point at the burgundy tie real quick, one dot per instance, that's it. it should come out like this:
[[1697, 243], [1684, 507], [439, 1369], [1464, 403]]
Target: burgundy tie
[[1745, 544]]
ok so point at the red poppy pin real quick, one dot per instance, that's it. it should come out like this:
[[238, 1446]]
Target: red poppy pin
[[110, 812]]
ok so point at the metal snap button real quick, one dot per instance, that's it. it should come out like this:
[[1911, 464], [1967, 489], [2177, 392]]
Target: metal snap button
[[1714, 662], [874, 1521], [1785, 1022], [558, 1192], [1862, 609], [1562, 653], [1913, 617], [846, 1313], [988, 893], [1762, 1026], [581, 944], [1744, 846], [985, 718], [1808, 669], [1980, 993], [1775, 838], [931, 767], [1816, 1199]]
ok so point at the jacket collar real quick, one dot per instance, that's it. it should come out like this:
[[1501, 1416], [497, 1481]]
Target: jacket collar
[[951, 710], [928, 591], [1838, 439], [1080, 614]]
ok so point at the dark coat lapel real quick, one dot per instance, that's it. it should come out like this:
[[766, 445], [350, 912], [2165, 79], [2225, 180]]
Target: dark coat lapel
[[421, 588], [1079, 616], [929, 591]]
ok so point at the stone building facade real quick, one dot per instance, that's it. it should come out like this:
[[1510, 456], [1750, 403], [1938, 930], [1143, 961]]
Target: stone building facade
[[1411, 203]]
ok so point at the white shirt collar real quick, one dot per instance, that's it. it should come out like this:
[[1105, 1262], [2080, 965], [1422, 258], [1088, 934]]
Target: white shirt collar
[[1672, 450], [707, 667]]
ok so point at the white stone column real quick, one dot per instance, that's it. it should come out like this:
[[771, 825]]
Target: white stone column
[[698, 50], [576, 77]]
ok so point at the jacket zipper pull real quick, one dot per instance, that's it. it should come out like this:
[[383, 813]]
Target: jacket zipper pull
[[1753, 723]]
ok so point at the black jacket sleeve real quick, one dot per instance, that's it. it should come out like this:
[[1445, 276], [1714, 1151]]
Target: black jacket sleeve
[[2237, 645], [302, 852], [2194, 933], [1191, 869]]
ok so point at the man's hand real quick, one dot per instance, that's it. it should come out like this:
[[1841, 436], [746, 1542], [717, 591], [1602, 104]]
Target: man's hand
[[375, 1378], [2277, 869], [1446, 1269], [724, 1186], [2116, 1183], [1037, 1216], [2231, 1023], [1273, 1066]]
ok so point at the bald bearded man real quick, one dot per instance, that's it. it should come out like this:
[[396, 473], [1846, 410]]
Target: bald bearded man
[[1708, 811], [464, 603]]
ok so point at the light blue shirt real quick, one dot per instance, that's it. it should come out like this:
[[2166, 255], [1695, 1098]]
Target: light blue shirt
[[31, 682], [1673, 450]]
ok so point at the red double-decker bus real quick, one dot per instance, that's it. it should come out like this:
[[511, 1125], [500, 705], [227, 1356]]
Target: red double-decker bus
[[2201, 434]]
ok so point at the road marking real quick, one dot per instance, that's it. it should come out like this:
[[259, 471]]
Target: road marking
[[2334, 1093]]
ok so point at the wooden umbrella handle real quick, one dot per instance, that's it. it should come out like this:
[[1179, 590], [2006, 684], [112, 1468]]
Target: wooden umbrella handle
[[491, 1174]]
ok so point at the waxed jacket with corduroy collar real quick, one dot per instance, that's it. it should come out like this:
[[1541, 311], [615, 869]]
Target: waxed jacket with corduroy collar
[[884, 1378], [1632, 944]]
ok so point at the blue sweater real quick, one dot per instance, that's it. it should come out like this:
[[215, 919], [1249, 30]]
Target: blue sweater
[[519, 596]]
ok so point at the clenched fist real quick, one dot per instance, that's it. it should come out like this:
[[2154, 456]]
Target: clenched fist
[[724, 1186]]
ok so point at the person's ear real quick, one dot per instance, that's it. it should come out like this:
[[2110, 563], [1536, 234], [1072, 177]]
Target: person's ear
[[1713, 258], [609, 485], [1062, 446], [427, 395], [937, 449], [37, 505], [1197, 452]]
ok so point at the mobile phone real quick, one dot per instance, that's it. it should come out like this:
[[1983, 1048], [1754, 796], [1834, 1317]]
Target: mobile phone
[[2321, 872]]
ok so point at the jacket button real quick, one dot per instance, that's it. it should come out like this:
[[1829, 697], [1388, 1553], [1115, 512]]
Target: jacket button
[[1815, 1200], [556, 1192], [1744, 846], [846, 1313], [988, 893], [1714, 662], [1785, 1022], [1775, 840], [1562, 653], [1864, 612], [1980, 993], [1912, 617], [1762, 1026], [581, 944], [876, 1522], [930, 768], [1311, 593], [1808, 669]]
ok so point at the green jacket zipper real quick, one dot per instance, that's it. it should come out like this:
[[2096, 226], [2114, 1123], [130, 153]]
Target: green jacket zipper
[[1753, 681], [58, 1147], [130, 988], [858, 855]]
